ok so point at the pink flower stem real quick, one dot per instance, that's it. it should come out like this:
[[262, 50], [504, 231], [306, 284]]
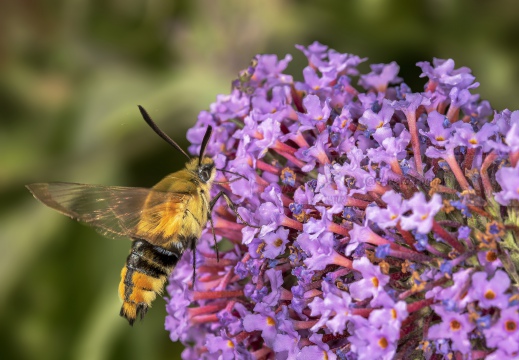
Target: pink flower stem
[[361, 204], [514, 158], [220, 222], [487, 185], [456, 170], [221, 263], [395, 166], [263, 166], [469, 158], [302, 325], [230, 305], [282, 147], [286, 295], [202, 319], [362, 312], [415, 257], [338, 229], [453, 114], [205, 295], [475, 355], [261, 353], [225, 280], [375, 239], [291, 223], [291, 158], [312, 293], [342, 261], [420, 304], [445, 235], [201, 310], [415, 142], [300, 140], [286, 200], [241, 336], [407, 236]]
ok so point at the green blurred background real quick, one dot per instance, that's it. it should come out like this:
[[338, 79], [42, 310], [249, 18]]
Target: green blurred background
[[71, 75]]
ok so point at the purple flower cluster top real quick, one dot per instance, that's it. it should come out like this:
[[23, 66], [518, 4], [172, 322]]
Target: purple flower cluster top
[[386, 219]]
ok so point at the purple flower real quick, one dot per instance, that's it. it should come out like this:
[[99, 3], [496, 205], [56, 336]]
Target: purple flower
[[320, 351], [443, 73], [334, 309], [315, 52], [270, 131], [508, 179], [489, 260], [374, 341], [373, 224], [319, 252], [231, 106], [315, 111], [381, 75], [455, 296], [423, 212], [504, 333], [269, 68], [177, 322], [264, 321], [389, 216], [376, 120], [276, 280], [490, 292], [440, 129], [225, 348], [372, 282], [453, 326], [275, 243]]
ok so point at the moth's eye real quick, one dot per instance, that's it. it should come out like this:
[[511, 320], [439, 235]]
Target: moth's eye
[[205, 173]]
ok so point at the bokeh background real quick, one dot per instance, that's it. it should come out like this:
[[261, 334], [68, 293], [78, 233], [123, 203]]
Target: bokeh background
[[71, 75]]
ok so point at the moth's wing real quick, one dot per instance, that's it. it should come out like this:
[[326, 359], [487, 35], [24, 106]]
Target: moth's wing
[[114, 210]]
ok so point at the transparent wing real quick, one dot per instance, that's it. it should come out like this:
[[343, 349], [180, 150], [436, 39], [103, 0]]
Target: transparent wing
[[114, 210]]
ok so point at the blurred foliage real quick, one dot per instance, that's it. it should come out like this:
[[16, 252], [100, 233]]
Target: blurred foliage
[[71, 75]]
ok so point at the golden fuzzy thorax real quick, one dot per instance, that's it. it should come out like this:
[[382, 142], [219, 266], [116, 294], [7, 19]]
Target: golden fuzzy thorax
[[187, 213]]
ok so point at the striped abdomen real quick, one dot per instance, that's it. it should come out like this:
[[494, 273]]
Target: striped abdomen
[[146, 271]]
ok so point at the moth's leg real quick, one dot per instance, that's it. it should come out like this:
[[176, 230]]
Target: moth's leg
[[214, 236], [193, 250], [231, 206]]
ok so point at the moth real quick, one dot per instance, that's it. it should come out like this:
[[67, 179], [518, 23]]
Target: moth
[[162, 222]]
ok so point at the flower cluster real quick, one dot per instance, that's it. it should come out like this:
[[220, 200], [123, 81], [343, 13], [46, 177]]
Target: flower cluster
[[384, 220]]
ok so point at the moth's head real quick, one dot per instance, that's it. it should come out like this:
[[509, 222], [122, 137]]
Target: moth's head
[[203, 168]]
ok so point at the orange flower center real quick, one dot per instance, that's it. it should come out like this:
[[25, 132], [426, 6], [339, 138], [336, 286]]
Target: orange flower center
[[278, 242], [455, 325], [490, 295], [393, 314], [510, 325], [270, 321], [491, 256]]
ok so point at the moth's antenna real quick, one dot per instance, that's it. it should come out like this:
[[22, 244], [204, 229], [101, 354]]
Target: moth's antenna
[[204, 143], [161, 133], [231, 172]]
